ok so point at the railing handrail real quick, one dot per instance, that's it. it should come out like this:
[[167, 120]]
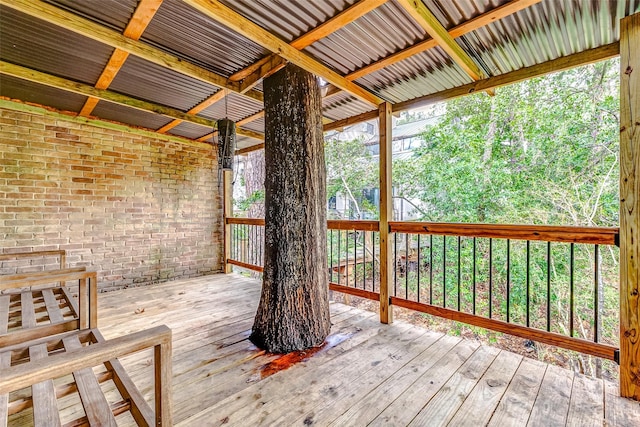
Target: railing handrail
[[547, 233]]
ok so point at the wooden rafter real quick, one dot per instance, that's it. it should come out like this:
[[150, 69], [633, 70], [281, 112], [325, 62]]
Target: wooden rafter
[[102, 94], [466, 27], [427, 20], [89, 29], [219, 95], [236, 22], [141, 17], [564, 63], [263, 68]]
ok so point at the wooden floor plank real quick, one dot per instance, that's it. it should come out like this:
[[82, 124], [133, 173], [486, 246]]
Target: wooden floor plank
[[586, 407], [367, 408], [552, 403], [618, 411], [483, 399], [45, 406], [94, 402], [446, 402], [409, 403], [516, 403]]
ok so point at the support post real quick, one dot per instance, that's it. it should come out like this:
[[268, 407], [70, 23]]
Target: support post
[[386, 212], [629, 206], [227, 178]]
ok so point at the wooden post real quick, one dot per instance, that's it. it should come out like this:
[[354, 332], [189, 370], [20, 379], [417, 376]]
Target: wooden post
[[228, 213], [386, 212], [629, 206]]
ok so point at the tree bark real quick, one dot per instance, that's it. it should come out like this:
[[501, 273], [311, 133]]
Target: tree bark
[[293, 313]]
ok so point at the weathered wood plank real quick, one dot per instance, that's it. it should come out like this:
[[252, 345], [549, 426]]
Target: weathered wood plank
[[619, 411], [516, 403], [552, 403], [45, 406], [53, 309], [4, 313], [5, 362], [586, 407], [484, 398], [28, 311], [94, 402]]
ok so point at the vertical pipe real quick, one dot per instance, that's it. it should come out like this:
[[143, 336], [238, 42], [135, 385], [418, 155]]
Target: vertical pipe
[[430, 268], [418, 275], [490, 278], [528, 272], [474, 275], [444, 271], [548, 286], [571, 288], [596, 296], [508, 280], [459, 278]]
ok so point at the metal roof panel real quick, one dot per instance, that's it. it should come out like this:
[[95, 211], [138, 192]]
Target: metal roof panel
[[15, 88]]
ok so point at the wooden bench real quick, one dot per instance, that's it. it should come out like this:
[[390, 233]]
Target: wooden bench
[[50, 349]]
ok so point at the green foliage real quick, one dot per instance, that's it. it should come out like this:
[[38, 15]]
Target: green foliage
[[255, 197]]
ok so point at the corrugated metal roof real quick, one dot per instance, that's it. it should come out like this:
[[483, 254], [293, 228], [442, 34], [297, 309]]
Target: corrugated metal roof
[[381, 32], [190, 130], [35, 44], [343, 105], [235, 107], [111, 13], [145, 80], [182, 31], [131, 116], [255, 125], [15, 88], [407, 130]]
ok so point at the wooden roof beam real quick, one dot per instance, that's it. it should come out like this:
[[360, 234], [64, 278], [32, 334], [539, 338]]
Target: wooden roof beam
[[101, 94], [89, 29], [427, 20], [466, 27], [263, 68], [564, 63], [236, 22], [219, 95], [141, 17]]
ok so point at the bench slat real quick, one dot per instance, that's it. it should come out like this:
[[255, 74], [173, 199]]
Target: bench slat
[[71, 301], [53, 308], [4, 313], [94, 402], [45, 405], [140, 409], [28, 310]]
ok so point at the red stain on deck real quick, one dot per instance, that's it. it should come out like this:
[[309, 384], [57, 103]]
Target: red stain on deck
[[286, 361]]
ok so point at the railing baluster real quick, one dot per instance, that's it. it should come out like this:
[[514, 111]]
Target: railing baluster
[[459, 278], [474, 275], [364, 260], [490, 278], [548, 286], [596, 296], [528, 281], [430, 268], [339, 257], [331, 256], [395, 264], [373, 262], [346, 257], [418, 270], [571, 290], [406, 265], [355, 258], [444, 271], [508, 280]]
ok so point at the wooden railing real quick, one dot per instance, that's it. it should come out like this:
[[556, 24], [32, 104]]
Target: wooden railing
[[543, 283]]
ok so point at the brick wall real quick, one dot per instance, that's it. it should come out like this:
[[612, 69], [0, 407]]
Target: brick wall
[[134, 206]]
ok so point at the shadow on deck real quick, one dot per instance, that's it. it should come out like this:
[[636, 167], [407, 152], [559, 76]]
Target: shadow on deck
[[369, 374]]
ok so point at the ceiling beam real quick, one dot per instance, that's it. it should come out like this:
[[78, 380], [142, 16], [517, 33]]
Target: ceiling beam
[[219, 95], [564, 63], [84, 27], [137, 24], [427, 20], [236, 22], [101, 94], [263, 68], [251, 118], [466, 27]]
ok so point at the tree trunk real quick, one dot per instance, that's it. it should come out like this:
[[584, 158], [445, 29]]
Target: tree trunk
[[294, 307]]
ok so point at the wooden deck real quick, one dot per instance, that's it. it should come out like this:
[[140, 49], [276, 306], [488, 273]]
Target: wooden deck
[[368, 374]]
